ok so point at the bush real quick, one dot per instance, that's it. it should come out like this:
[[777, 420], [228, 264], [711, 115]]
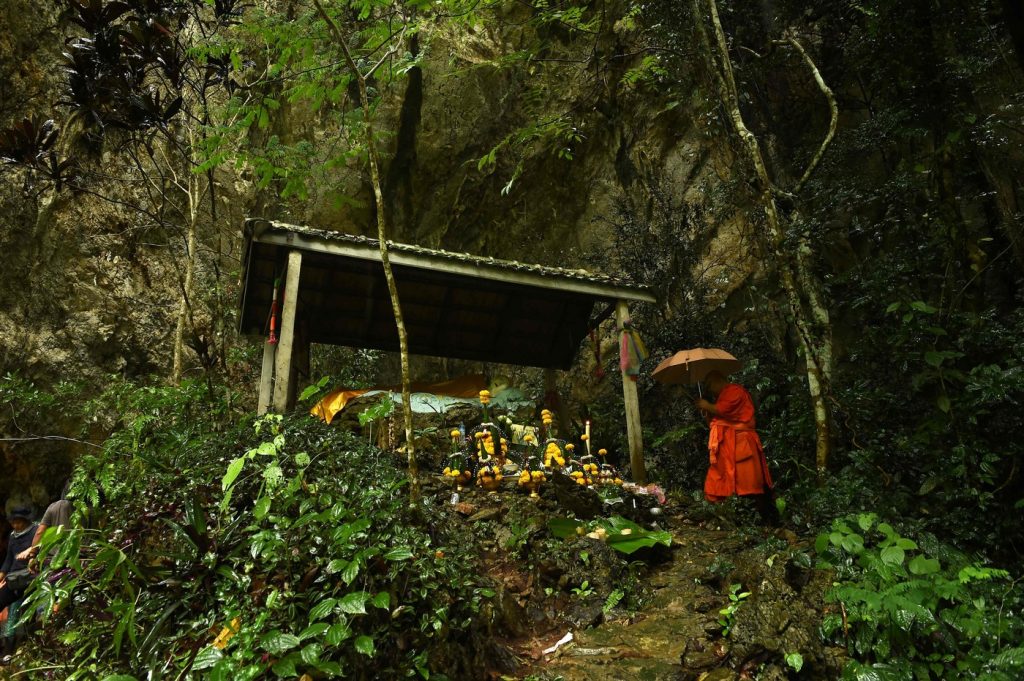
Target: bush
[[273, 548], [910, 611]]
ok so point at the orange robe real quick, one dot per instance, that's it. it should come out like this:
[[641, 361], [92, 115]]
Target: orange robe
[[737, 465]]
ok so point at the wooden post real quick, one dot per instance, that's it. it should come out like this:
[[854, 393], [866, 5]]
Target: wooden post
[[266, 379], [283, 362], [633, 433], [300, 360]]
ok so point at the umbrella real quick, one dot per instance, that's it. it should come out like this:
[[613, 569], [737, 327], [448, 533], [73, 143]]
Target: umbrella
[[691, 366]]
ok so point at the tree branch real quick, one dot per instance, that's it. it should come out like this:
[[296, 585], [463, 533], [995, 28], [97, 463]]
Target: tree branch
[[832, 106]]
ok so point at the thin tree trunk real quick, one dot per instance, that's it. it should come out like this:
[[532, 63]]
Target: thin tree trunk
[[798, 282], [378, 196], [184, 308]]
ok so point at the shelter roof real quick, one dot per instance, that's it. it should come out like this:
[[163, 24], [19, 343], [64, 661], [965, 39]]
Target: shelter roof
[[454, 304]]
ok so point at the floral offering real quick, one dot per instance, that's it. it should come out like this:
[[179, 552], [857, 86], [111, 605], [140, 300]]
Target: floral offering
[[459, 469], [489, 476], [532, 476], [579, 472], [554, 456]]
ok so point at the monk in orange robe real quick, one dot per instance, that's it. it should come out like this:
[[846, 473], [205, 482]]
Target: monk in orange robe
[[738, 465]]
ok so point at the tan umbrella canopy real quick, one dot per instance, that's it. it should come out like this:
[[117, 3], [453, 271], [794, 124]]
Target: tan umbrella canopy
[[691, 366]]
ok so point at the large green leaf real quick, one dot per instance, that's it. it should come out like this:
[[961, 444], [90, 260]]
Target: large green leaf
[[313, 630], [364, 645], [338, 632], [285, 667], [923, 566], [400, 553], [322, 609], [277, 642], [234, 468], [261, 508], [893, 555], [350, 572], [206, 658], [354, 603], [623, 535], [563, 528]]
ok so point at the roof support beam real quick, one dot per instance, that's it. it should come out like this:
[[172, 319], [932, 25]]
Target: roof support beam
[[266, 379], [283, 362], [633, 433]]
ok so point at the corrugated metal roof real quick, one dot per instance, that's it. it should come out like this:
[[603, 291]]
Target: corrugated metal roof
[[468, 258], [454, 304]]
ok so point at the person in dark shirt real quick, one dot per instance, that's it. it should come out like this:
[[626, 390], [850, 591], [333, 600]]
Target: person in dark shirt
[[13, 572], [57, 515]]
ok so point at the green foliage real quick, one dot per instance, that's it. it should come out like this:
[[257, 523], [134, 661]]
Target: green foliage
[[928, 613], [584, 590], [298, 555], [613, 599], [623, 535], [728, 613], [794, 661], [377, 412]]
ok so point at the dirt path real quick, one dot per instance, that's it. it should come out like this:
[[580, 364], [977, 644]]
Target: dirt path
[[649, 645]]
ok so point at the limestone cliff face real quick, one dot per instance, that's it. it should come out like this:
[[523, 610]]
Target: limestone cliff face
[[92, 287], [639, 176]]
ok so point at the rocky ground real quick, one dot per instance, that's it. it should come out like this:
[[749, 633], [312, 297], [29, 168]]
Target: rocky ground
[[656, 614]]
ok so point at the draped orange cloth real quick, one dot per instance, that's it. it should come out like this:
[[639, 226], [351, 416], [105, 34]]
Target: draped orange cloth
[[738, 465], [463, 386]]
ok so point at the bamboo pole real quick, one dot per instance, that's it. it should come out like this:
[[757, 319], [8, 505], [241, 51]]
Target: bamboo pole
[[382, 230]]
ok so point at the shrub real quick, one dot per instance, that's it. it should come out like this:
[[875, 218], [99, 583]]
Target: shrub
[[276, 548], [910, 612]]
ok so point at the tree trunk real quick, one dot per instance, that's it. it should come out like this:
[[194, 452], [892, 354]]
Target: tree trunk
[[184, 308], [802, 290], [378, 197]]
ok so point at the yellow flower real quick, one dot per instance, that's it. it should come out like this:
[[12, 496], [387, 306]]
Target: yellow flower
[[570, 446], [528, 438], [447, 470], [584, 437], [455, 433], [602, 452]]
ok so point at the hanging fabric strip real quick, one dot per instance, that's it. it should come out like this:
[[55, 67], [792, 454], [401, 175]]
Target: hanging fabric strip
[[631, 351], [272, 339]]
